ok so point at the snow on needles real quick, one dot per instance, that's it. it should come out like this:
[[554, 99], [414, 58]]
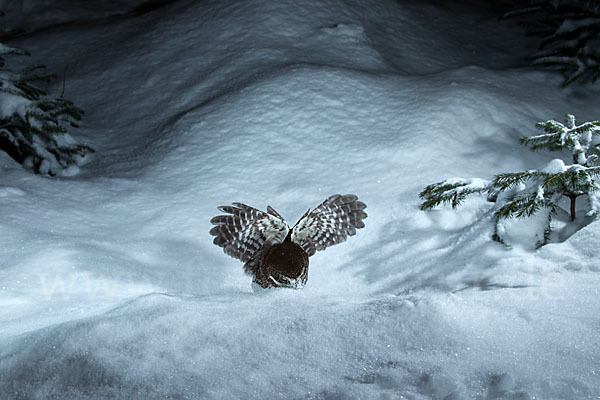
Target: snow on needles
[[110, 286]]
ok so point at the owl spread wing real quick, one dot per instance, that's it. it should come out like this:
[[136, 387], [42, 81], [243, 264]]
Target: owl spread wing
[[244, 230], [330, 223]]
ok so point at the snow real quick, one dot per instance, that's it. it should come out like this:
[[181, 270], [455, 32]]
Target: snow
[[110, 286], [556, 166], [12, 104], [527, 233]]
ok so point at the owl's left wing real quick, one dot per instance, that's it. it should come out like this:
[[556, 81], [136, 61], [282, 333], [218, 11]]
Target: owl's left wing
[[244, 230], [330, 223]]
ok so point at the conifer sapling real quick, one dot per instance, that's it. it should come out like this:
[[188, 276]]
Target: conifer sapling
[[523, 194]]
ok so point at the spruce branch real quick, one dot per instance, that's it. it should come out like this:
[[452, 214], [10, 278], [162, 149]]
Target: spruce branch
[[509, 180], [541, 142], [558, 136], [451, 191], [523, 205]]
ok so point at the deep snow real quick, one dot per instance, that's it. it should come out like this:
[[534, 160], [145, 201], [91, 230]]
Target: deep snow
[[111, 287]]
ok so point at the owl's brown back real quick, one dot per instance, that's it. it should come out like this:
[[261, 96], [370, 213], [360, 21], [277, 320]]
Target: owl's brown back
[[283, 265]]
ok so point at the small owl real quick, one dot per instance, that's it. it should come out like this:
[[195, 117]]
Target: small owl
[[277, 255]]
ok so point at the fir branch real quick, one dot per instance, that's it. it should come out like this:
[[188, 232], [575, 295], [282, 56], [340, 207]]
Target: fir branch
[[580, 181], [593, 126], [558, 136], [508, 180], [542, 142], [551, 126], [524, 205], [451, 191], [593, 171], [555, 182]]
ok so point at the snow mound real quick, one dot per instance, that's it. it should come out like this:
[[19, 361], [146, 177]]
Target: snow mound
[[162, 345]]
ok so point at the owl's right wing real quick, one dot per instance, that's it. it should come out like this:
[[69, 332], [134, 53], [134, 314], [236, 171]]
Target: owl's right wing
[[330, 223], [244, 230]]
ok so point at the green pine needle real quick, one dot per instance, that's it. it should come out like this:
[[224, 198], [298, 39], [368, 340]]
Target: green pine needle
[[452, 193]]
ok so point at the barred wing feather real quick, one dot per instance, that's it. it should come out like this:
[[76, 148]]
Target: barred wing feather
[[244, 230], [330, 223]]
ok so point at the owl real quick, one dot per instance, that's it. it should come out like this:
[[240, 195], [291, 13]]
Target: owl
[[277, 255]]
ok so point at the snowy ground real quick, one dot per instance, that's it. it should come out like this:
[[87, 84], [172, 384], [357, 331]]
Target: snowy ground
[[110, 285]]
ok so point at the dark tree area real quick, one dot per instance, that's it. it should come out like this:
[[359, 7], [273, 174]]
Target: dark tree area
[[33, 125], [569, 32]]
